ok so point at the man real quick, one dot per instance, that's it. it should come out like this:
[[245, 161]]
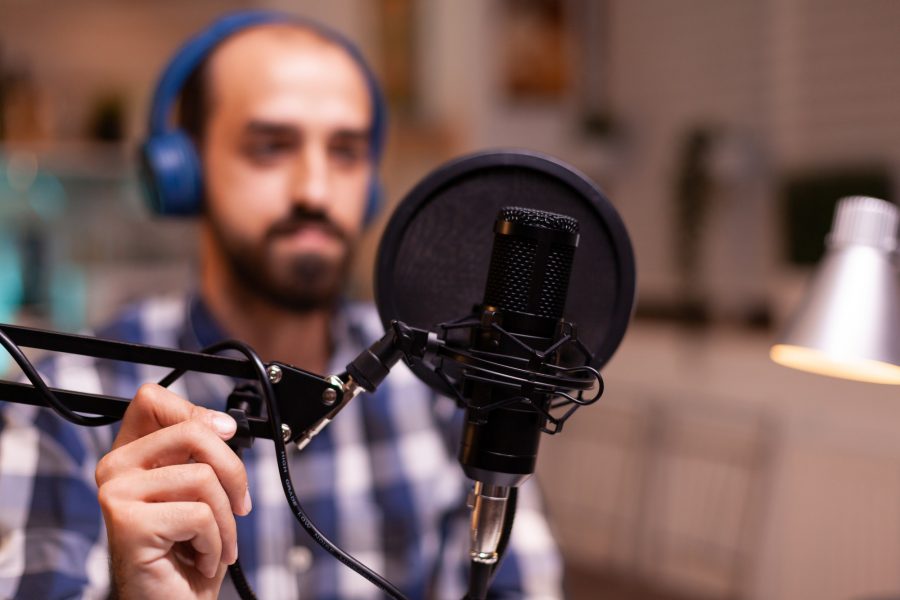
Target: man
[[282, 118]]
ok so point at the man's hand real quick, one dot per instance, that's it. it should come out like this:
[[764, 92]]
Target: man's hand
[[169, 490]]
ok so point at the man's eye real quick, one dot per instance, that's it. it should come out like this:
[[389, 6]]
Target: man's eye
[[349, 153], [268, 149]]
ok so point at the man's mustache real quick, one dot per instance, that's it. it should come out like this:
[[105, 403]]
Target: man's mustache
[[302, 217]]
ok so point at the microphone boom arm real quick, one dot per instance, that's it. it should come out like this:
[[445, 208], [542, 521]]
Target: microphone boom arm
[[303, 398], [306, 402]]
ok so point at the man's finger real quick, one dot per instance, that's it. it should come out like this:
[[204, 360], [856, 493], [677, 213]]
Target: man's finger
[[154, 407], [185, 442]]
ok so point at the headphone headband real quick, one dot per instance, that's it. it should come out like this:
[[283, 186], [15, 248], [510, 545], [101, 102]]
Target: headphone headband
[[189, 57]]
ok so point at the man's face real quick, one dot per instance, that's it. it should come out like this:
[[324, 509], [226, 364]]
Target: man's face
[[286, 163]]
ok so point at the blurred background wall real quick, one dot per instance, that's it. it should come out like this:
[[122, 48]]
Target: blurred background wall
[[722, 131]]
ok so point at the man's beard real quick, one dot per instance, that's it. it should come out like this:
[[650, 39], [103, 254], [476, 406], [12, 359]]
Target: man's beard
[[303, 282]]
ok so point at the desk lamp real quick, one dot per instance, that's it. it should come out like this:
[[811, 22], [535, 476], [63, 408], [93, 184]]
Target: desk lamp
[[848, 324]]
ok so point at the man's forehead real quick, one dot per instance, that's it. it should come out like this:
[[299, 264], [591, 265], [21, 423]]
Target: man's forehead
[[270, 52]]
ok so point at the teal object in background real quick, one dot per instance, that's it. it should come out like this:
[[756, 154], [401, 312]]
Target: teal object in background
[[36, 269], [68, 297], [11, 287], [26, 188]]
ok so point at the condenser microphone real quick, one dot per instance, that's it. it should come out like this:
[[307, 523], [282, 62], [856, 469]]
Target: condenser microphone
[[520, 327]]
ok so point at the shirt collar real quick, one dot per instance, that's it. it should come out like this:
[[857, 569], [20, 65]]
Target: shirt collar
[[203, 330]]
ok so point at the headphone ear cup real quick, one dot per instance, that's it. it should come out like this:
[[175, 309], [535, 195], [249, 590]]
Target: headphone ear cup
[[171, 174], [374, 197]]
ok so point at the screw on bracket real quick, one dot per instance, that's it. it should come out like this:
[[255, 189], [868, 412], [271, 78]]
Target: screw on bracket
[[329, 396]]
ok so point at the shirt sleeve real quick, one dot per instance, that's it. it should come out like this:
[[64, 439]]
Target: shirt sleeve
[[52, 537]]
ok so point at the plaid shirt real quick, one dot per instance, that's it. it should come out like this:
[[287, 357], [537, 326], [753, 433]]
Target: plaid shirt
[[381, 481]]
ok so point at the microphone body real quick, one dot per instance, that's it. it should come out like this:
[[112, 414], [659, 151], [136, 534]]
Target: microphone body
[[521, 318], [525, 295]]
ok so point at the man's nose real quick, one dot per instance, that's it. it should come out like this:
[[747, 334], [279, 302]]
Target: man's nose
[[310, 178]]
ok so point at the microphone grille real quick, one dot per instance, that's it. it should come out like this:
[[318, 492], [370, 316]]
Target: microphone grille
[[529, 272], [552, 299], [511, 272], [538, 218]]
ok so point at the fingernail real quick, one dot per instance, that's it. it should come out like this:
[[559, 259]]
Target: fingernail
[[224, 424], [211, 570], [248, 504], [235, 552]]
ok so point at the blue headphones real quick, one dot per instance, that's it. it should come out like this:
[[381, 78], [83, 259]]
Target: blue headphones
[[171, 170]]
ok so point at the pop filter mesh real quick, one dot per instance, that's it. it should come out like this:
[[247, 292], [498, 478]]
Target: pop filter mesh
[[434, 256]]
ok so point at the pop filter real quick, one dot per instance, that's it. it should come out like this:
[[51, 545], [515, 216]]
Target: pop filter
[[433, 258]]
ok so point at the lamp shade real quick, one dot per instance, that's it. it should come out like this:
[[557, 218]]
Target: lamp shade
[[848, 323]]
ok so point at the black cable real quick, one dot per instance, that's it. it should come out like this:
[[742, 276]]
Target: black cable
[[176, 374], [35, 379], [235, 570], [240, 581], [480, 575], [268, 394], [294, 502]]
